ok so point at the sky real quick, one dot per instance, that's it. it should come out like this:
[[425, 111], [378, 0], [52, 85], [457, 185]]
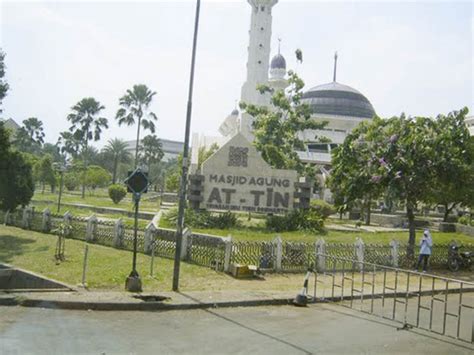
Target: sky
[[412, 57]]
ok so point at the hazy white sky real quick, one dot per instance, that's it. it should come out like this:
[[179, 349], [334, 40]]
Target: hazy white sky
[[413, 57]]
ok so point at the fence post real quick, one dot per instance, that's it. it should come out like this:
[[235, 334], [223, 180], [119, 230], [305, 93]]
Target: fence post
[[359, 252], [7, 220], [394, 246], [91, 228], [279, 252], [320, 249], [46, 221], [227, 253], [119, 233], [150, 231], [184, 244], [26, 218], [67, 220]]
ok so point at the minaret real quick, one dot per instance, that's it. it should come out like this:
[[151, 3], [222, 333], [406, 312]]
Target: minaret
[[335, 67], [277, 79], [258, 59]]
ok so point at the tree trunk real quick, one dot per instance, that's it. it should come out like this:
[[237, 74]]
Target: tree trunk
[[447, 211], [85, 168], [114, 173], [368, 208], [44, 187], [138, 141], [411, 228]]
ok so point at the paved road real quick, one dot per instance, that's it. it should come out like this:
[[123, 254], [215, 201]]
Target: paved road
[[319, 328]]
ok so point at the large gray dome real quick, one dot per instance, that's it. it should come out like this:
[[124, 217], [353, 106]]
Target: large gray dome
[[278, 62], [338, 99]]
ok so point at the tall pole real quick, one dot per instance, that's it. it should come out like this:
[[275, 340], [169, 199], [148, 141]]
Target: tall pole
[[60, 189], [136, 197], [184, 171]]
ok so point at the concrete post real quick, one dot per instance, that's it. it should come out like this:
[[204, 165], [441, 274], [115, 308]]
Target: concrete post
[[279, 252], [67, 220], [26, 218], [7, 220], [46, 221], [119, 233], [394, 246], [184, 244], [91, 228], [320, 249], [150, 231], [359, 253], [227, 253]]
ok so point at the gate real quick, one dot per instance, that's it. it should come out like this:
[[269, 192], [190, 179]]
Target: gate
[[437, 304]]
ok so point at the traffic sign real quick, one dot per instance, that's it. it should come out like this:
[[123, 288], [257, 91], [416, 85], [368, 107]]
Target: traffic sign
[[137, 181]]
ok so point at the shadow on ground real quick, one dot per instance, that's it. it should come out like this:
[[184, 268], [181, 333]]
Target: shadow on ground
[[11, 246]]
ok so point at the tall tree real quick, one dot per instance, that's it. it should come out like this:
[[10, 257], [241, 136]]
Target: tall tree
[[44, 172], [135, 109], [150, 150], [354, 173], [454, 178], [3, 83], [87, 126], [276, 128], [117, 150], [16, 177], [30, 137], [68, 144]]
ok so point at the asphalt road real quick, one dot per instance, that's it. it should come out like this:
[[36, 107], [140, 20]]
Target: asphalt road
[[322, 328]]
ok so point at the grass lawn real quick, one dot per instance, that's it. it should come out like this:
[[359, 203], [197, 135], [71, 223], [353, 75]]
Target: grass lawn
[[99, 199], [107, 267], [257, 232]]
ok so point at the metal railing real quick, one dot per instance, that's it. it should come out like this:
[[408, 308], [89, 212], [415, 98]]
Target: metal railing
[[437, 304]]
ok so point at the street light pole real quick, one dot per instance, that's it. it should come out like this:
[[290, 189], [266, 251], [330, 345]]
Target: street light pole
[[185, 165], [60, 188]]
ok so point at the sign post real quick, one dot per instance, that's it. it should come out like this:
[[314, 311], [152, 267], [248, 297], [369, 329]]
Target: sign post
[[137, 183]]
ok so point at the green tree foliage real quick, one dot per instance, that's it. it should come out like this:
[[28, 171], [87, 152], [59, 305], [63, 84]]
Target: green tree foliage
[[117, 192], [54, 151], [16, 177], [454, 162], [413, 160], [204, 154], [354, 174], [86, 125], [3, 83], [117, 152], [135, 109], [30, 137], [71, 180], [276, 128], [69, 144], [44, 172], [150, 150], [96, 177]]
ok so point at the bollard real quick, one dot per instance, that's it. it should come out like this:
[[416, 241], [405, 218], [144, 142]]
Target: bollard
[[86, 251]]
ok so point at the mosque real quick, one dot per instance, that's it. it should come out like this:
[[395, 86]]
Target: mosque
[[342, 106]]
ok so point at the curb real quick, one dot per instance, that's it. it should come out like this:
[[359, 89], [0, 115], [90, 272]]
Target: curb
[[145, 306]]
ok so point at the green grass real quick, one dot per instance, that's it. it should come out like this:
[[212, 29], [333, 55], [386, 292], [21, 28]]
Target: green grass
[[107, 267], [99, 199], [257, 232]]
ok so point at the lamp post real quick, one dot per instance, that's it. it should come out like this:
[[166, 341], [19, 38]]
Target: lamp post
[[137, 183], [185, 165]]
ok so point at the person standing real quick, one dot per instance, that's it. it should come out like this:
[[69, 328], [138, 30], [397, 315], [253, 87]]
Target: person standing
[[426, 244]]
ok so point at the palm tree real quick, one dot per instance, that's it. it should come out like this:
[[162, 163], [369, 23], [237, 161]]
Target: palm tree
[[134, 107], [150, 150], [118, 150], [86, 126], [30, 137], [68, 144]]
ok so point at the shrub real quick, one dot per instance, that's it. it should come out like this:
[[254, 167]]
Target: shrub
[[203, 219], [309, 219], [324, 208], [71, 181], [465, 219], [117, 192]]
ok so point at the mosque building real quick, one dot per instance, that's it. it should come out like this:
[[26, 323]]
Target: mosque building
[[342, 106]]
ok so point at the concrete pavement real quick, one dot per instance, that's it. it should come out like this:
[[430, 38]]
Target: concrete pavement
[[322, 328]]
